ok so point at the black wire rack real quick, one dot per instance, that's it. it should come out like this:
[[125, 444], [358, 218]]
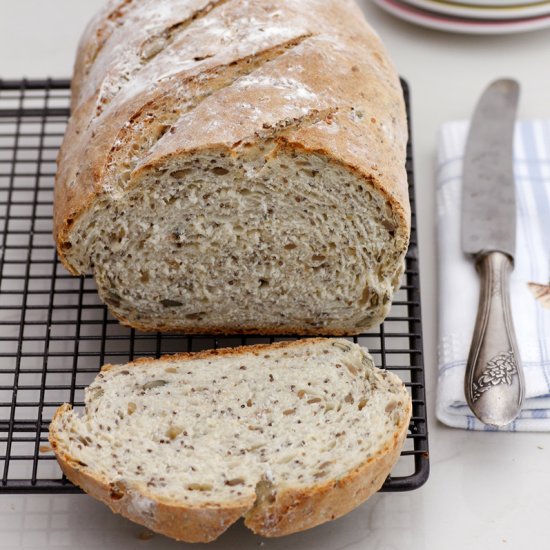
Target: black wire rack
[[55, 333]]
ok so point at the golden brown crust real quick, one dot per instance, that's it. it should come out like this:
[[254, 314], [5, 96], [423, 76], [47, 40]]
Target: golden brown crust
[[197, 53], [241, 331], [199, 524], [342, 41], [222, 352], [134, 24], [299, 509], [289, 511], [354, 74], [79, 184], [94, 38]]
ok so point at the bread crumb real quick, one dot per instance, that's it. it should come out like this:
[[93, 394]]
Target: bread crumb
[[146, 535], [45, 449]]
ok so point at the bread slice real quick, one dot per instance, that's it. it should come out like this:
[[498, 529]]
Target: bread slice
[[288, 436], [236, 167]]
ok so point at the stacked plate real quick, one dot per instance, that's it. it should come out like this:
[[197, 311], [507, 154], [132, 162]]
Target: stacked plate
[[472, 16]]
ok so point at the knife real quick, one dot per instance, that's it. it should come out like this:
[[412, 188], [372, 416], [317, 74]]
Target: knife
[[494, 384]]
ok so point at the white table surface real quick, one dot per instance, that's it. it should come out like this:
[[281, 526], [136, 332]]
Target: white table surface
[[485, 491]]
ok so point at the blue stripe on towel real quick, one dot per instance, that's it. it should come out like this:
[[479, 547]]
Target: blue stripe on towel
[[543, 216], [538, 178]]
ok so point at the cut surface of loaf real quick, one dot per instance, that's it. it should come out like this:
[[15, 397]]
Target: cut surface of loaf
[[236, 167], [287, 436]]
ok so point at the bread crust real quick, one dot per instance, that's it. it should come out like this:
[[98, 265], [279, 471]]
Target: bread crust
[[299, 509], [292, 509], [189, 524], [222, 330], [255, 349], [366, 75], [89, 139]]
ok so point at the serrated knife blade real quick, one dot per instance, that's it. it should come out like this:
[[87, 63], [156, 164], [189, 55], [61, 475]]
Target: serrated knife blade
[[493, 384]]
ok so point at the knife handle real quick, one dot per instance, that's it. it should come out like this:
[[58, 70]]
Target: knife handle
[[494, 384]]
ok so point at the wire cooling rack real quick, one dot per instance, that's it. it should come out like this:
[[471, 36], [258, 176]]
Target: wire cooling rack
[[55, 333]]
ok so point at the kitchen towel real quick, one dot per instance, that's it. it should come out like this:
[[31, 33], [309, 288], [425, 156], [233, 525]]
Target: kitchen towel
[[459, 281]]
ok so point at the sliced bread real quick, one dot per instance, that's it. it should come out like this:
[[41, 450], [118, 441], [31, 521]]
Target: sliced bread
[[287, 435]]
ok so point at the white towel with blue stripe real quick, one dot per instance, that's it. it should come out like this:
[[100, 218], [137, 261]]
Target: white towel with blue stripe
[[459, 282]]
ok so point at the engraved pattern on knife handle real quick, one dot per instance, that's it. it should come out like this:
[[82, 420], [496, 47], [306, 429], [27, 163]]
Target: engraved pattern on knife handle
[[494, 378], [499, 370]]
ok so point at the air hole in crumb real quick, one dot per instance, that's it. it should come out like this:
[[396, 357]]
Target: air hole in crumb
[[117, 491], [154, 384], [195, 316], [365, 296], [219, 171], [180, 174], [171, 303]]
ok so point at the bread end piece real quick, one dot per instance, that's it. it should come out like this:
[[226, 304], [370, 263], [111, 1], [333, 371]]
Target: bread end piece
[[174, 521], [292, 511]]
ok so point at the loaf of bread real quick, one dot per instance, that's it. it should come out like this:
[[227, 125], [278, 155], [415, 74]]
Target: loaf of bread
[[287, 436], [235, 167]]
